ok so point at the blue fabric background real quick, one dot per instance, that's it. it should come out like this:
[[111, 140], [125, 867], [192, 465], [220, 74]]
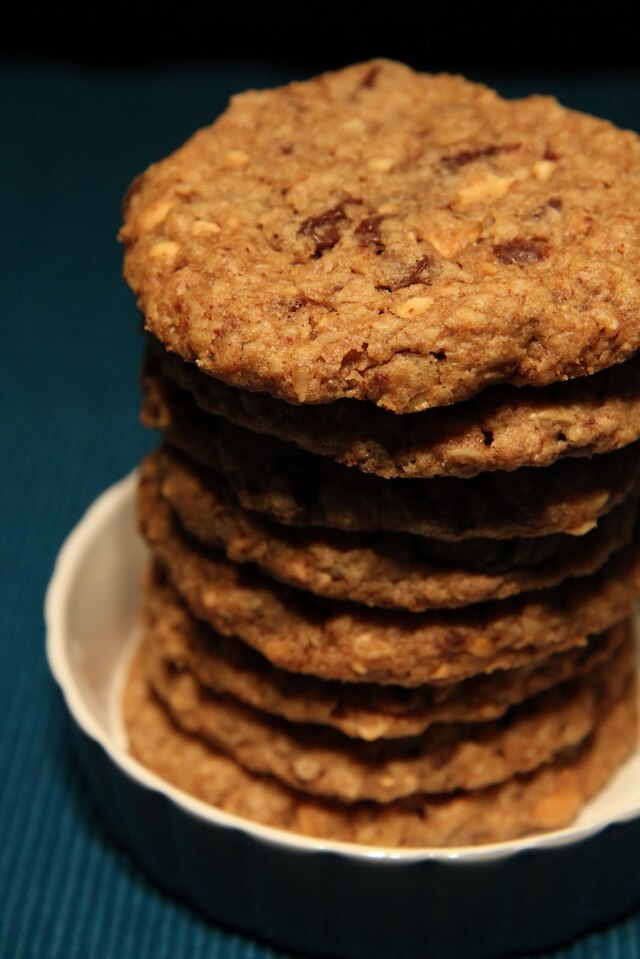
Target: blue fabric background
[[70, 142]]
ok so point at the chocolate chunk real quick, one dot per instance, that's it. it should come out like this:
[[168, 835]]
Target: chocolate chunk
[[456, 160], [370, 77], [521, 252], [323, 228], [415, 274], [368, 232]]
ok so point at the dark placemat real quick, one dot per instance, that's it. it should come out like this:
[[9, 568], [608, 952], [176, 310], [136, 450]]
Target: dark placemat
[[70, 142]]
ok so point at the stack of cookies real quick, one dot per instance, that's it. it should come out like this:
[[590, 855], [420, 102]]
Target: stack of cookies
[[392, 335]]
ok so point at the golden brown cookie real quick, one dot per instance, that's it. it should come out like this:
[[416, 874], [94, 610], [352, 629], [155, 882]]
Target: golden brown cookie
[[364, 711], [383, 569], [299, 489], [548, 798], [344, 641], [502, 429], [391, 236], [321, 761]]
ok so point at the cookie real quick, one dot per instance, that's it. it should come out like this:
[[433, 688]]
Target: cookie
[[503, 429], [364, 711], [391, 236], [321, 761], [334, 640], [548, 798], [299, 489], [383, 570]]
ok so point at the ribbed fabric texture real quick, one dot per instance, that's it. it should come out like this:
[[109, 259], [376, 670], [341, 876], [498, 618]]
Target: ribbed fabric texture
[[70, 142]]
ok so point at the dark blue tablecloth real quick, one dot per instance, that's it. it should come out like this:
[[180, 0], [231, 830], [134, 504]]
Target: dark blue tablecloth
[[70, 142]]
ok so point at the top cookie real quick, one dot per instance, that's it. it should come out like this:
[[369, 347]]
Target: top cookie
[[391, 236]]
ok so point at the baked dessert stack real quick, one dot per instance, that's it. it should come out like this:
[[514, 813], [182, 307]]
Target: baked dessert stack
[[393, 517]]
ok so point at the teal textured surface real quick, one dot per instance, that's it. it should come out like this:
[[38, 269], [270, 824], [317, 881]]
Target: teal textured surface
[[70, 142]]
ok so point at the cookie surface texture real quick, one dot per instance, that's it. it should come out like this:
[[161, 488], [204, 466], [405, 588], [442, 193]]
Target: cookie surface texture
[[396, 237]]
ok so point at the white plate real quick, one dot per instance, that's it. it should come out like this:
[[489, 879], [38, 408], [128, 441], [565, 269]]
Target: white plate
[[91, 608]]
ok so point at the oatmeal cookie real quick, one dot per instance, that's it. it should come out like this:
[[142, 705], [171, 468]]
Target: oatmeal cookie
[[383, 569], [548, 798], [299, 489], [335, 640], [504, 428], [321, 761], [391, 236], [362, 710]]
